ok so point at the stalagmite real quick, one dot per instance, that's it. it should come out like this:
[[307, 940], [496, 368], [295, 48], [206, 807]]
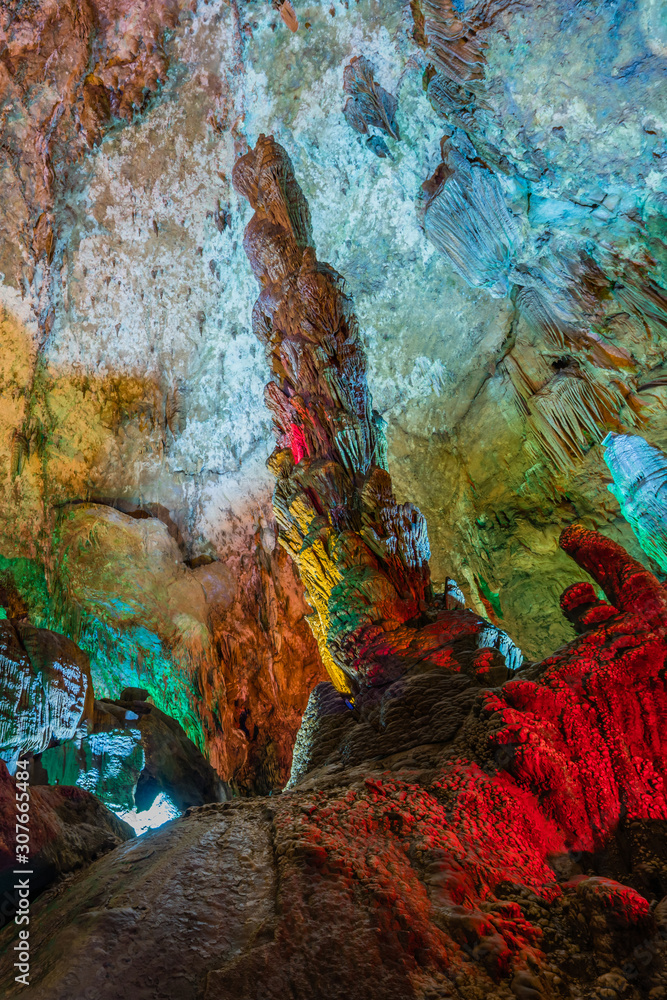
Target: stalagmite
[[451, 829]]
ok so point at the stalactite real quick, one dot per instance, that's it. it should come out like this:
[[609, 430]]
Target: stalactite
[[45, 688], [571, 410], [368, 103], [451, 42], [466, 218], [640, 486], [562, 297]]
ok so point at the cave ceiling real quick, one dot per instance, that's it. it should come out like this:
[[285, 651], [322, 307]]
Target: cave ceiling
[[489, 179]]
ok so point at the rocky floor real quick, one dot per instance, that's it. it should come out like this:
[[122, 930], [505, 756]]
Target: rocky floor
[[445, 841]]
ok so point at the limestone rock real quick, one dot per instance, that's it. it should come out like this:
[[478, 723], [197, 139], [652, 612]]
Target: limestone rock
[[640, 486], [455, 830], [455, 827], [221, 646], [69, 829], [134, 753], [45, 688]]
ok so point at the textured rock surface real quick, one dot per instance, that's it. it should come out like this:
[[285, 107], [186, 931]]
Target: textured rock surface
[[46, 692], [74, 429], [69, 828], [264, 665], [640, 486], [68, 71], [363, 557], [453, 841], [134, 753], [128, 371], [451, 831], [220, 646], [147, 386]]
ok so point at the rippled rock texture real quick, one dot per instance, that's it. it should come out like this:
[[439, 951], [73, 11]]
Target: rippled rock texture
[[46, 691], [450, 830], [446, 841]]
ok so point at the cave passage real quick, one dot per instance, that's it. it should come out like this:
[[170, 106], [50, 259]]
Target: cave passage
[[333, 500]]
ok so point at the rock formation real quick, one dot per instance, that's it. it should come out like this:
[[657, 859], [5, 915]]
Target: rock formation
[[368, 103], [640, 486], [128, 253], [46, 691], [450, 831], [134, 753], [220, 646], [362, 557], [68, 71], [69, 828], [468, 813]]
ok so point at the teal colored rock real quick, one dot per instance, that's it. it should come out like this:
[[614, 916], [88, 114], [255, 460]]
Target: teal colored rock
[[640, 486], [138, 761]]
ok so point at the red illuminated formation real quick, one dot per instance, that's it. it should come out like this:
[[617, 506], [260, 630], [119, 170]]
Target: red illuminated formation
[[450, 831], [588, 732]]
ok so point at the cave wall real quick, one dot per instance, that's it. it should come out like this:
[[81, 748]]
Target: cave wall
[[130, 375], [450, 830]]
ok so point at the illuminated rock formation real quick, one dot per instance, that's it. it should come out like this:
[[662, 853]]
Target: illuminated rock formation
[[134, 754], [45, 688], [467, 219], [220, 646], [451, 831], [502, 842], [362, 557], [144, 388], [253, 688], [69, 828], [640, 486], [569, 411], [368, 103], [451, 35]]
